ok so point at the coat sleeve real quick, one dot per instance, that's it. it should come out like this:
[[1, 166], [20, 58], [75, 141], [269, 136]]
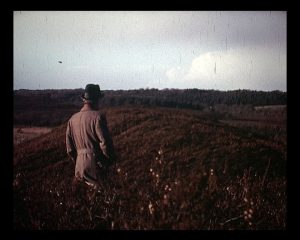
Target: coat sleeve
[[71, 150], [105, 140]]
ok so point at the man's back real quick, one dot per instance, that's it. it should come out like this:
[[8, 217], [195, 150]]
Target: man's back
[[88, 141], [83, 125]]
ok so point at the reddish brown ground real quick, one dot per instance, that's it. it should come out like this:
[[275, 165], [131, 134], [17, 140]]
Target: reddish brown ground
[[176, 169]]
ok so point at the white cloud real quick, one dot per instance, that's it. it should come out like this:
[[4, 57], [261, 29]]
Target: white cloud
[[259, 68], [176, 74]]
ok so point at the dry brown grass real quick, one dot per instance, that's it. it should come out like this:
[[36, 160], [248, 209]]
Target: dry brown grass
[[176, 169]]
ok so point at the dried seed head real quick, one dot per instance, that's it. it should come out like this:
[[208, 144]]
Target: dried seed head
[[119, 170], [151, 208], [151, 169], [165, 201], [245, 200]]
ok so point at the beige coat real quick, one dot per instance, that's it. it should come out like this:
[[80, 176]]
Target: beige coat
[[87, 141]]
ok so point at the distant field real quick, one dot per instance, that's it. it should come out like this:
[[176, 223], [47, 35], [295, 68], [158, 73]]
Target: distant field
[[22, 134], [271, 107], [257, 124]]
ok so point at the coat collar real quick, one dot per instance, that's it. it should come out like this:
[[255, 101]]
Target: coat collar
[[87, 107]]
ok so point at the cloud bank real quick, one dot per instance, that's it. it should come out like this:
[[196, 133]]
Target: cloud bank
[[238, 68]]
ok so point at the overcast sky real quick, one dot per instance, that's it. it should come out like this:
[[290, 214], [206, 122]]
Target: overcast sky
[[132, 49]]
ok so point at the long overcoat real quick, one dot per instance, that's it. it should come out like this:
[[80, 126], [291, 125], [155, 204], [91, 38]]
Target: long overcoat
[[88, 141]]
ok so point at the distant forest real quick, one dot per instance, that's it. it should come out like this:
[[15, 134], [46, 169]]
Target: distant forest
[[56, 106], [188, 98]]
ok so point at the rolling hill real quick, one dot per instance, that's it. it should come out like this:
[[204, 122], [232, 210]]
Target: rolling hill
[[176, 169]]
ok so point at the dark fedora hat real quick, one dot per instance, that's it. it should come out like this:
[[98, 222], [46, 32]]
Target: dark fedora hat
[[92, 92]]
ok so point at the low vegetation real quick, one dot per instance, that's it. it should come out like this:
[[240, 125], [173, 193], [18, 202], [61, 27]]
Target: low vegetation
[[176, 169]]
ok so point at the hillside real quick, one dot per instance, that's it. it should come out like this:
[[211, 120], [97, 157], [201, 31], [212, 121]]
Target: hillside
[[54, 107], [176, 169]]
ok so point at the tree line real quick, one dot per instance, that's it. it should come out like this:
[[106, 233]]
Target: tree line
[[192, 98], [52, 106]]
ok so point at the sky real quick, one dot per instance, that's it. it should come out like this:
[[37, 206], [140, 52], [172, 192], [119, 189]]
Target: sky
[[221, 50]]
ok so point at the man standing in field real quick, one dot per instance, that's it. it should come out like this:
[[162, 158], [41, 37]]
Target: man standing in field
[[88, 140]]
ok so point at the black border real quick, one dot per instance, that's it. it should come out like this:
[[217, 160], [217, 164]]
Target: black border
[[7, 116]]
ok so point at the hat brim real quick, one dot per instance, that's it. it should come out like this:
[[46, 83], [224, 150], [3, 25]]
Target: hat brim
[[89, 99]]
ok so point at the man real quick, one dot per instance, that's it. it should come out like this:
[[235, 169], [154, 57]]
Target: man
[[88, 140]]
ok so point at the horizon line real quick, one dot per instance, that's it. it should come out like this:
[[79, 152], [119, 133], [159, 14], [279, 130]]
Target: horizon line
[[147, 88]]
